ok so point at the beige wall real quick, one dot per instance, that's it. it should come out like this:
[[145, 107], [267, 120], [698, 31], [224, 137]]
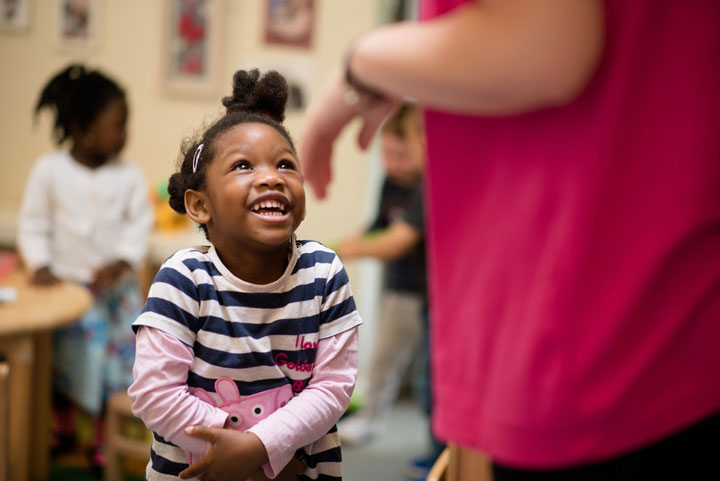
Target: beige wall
[[130, 50]]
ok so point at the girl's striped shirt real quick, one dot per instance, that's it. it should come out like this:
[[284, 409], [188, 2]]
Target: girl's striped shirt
[[261, 336]]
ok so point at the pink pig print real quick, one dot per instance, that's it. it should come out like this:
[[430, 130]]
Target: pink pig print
[[244, 411]]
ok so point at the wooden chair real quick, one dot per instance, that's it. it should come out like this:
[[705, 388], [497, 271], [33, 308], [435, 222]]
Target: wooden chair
[[4, 420], [458, 464], [438, 472], [117, 442]]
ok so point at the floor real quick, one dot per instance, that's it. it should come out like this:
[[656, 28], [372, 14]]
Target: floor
[[387, 457]]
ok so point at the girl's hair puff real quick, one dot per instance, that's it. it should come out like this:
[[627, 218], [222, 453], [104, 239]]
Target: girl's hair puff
[[76, 96], [254, 99]]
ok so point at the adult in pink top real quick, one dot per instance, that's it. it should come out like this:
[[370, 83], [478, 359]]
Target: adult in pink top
[[574, 216]]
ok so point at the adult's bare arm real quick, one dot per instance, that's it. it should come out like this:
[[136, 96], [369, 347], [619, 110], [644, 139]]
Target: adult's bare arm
[[489, 57], [495, 57]]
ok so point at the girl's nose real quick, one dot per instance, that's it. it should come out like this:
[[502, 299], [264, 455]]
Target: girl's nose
[[268, 177]]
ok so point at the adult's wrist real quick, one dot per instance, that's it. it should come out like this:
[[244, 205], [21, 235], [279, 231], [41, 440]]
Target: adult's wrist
[[358, 92]]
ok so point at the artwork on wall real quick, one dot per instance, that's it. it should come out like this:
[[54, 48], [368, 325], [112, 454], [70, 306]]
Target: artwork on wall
[[290, 22], [14, 15], [77, 23], [192, 45]]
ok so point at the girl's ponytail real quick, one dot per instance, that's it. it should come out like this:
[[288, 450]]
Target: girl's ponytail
[[57, 95]]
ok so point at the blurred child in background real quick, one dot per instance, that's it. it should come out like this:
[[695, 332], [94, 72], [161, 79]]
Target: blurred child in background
[[86, 217], [396, 237]]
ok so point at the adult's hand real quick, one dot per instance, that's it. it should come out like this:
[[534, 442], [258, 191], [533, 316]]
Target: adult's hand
[[349, 247], [327, 116]]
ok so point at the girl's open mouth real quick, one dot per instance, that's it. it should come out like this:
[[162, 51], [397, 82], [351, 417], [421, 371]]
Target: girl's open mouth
[[271, 208]]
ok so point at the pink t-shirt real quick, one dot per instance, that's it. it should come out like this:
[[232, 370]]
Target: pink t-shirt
[[575, 251]]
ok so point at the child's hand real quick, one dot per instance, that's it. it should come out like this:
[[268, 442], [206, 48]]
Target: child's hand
[[233, 455], [44, 277], [108, 275], [347, 248]]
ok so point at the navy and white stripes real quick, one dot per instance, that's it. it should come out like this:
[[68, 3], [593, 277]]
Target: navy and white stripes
[[260, 336]]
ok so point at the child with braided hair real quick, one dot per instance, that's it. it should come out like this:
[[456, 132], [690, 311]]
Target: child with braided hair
[[86, 218], [256, 332]]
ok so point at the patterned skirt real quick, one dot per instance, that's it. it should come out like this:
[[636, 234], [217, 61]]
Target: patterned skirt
[[94, 356]]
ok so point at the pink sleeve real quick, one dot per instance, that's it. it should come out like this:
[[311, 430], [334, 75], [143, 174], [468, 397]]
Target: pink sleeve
[[160, 395], [311, 414]]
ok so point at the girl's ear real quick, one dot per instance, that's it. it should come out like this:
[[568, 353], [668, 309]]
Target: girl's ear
[[196, 206]]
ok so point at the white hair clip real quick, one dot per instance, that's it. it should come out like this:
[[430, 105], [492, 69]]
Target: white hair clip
[[196, 157]]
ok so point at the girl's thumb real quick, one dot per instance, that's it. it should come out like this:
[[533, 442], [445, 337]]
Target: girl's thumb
[[201, 432]]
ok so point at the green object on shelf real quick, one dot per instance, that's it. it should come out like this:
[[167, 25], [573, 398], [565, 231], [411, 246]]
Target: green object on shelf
[[161, 189], [356, 402]]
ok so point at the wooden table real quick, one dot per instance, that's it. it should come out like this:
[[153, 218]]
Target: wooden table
[[26, 327]]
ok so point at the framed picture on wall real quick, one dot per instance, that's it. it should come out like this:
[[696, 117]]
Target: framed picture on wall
[[14, 15], [290, 22], [192, 45], [77, 23]]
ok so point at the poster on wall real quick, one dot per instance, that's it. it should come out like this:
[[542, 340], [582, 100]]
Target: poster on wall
[[77, 23], [290, 22], [14, 15], [192, 45]]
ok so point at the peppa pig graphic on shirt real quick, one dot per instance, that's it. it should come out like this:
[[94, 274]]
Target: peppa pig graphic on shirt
[[244, 411]]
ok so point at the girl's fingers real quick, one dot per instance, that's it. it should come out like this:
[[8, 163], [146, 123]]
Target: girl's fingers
[[202, 432], [194, 470]]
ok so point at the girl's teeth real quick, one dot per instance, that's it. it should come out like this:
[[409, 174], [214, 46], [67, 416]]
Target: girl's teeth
[[269, 205]]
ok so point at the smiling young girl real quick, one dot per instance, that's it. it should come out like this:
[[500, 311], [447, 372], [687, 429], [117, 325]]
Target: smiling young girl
[[250, 322]]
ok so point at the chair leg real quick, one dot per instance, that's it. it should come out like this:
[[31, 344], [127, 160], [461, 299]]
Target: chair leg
[[4, 419], [465, 464], [118, 444], [112, 456], [438, 472]]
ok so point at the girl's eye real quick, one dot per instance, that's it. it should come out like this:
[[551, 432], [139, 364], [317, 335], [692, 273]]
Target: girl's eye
[[241, 165], [286, 164]]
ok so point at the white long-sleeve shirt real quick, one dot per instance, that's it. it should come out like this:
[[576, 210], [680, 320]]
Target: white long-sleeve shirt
[[75, 219]]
